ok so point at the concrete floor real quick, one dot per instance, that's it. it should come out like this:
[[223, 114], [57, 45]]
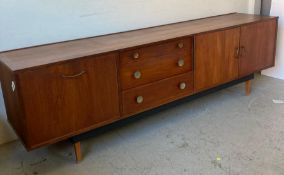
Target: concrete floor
[[225, 133]]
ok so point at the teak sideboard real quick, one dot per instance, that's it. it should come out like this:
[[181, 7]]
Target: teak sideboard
[[57, 91]]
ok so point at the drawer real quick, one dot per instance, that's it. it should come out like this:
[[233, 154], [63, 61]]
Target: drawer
[[153, 95], [179, 46], [154, 69]]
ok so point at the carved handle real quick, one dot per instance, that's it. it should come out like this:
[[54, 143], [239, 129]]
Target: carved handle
[[242, 51], [237, 52], [74, 76]]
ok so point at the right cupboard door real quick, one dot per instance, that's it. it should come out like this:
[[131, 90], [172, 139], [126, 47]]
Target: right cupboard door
[[257, 47]]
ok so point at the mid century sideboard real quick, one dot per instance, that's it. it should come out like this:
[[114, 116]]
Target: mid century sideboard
[[57, 91]]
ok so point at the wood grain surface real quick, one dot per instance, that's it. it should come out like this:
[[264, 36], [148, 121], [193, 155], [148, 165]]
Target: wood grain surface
[[257, 47], [156, 62], [63, 99], [47, 54], [216, 58], [156, 94]]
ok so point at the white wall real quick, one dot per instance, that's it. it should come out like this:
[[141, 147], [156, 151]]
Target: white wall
[[277, 9], [6, 133], [33, 22], [254, 6], [27, 23]]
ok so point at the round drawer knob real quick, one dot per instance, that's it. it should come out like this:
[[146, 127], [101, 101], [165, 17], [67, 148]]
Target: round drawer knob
[[182, 86], [139, 99], [180, 45], [136, 56], [137, 74], [181, 62]]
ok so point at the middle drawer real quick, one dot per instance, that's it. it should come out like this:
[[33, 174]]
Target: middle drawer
[[156, 94], [154, 67]]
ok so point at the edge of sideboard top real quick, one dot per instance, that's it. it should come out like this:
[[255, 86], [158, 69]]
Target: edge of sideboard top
[[26, 58]]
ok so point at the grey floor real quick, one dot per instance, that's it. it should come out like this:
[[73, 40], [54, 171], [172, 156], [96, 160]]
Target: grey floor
[[225, 133]]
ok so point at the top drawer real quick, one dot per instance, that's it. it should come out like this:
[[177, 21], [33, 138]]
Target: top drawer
[[180, 46]]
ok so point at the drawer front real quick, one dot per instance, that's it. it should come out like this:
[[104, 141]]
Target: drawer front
[[150, 96], [154, 69], [179, 46]]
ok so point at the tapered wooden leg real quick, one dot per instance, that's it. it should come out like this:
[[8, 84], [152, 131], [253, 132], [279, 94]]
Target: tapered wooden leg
[[248, 87], [77, 148]]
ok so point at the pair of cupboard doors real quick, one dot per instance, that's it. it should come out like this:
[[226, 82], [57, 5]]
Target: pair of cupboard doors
[[225, 55]]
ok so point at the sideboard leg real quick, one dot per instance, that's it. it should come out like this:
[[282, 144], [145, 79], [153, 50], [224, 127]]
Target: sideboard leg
[[248, 87], [77, 148]]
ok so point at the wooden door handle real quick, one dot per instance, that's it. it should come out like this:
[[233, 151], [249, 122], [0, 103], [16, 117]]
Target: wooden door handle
[[74, 76], [237, 52], [242, 51]]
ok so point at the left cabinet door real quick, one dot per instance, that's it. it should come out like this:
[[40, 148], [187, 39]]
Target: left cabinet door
[[69, 98], [216, 58]]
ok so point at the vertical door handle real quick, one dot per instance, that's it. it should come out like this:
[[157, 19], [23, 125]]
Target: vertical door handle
[[242, 51], [237, 52]]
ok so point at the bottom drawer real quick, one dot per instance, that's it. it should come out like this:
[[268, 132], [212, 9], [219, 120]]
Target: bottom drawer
[[153, 95]]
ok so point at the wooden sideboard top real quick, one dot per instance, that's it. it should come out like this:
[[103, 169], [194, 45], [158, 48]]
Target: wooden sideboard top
[[46, 54]]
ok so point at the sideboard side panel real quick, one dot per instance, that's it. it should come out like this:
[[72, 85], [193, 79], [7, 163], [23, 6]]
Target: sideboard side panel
[[15, 114]]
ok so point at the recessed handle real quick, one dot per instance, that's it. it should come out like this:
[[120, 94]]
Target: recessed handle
[[182, 86], [139, 99], [137, 75], [136, 56], [180, 45], [242, 51], [181, 62], [75, 75], [237, 52]]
